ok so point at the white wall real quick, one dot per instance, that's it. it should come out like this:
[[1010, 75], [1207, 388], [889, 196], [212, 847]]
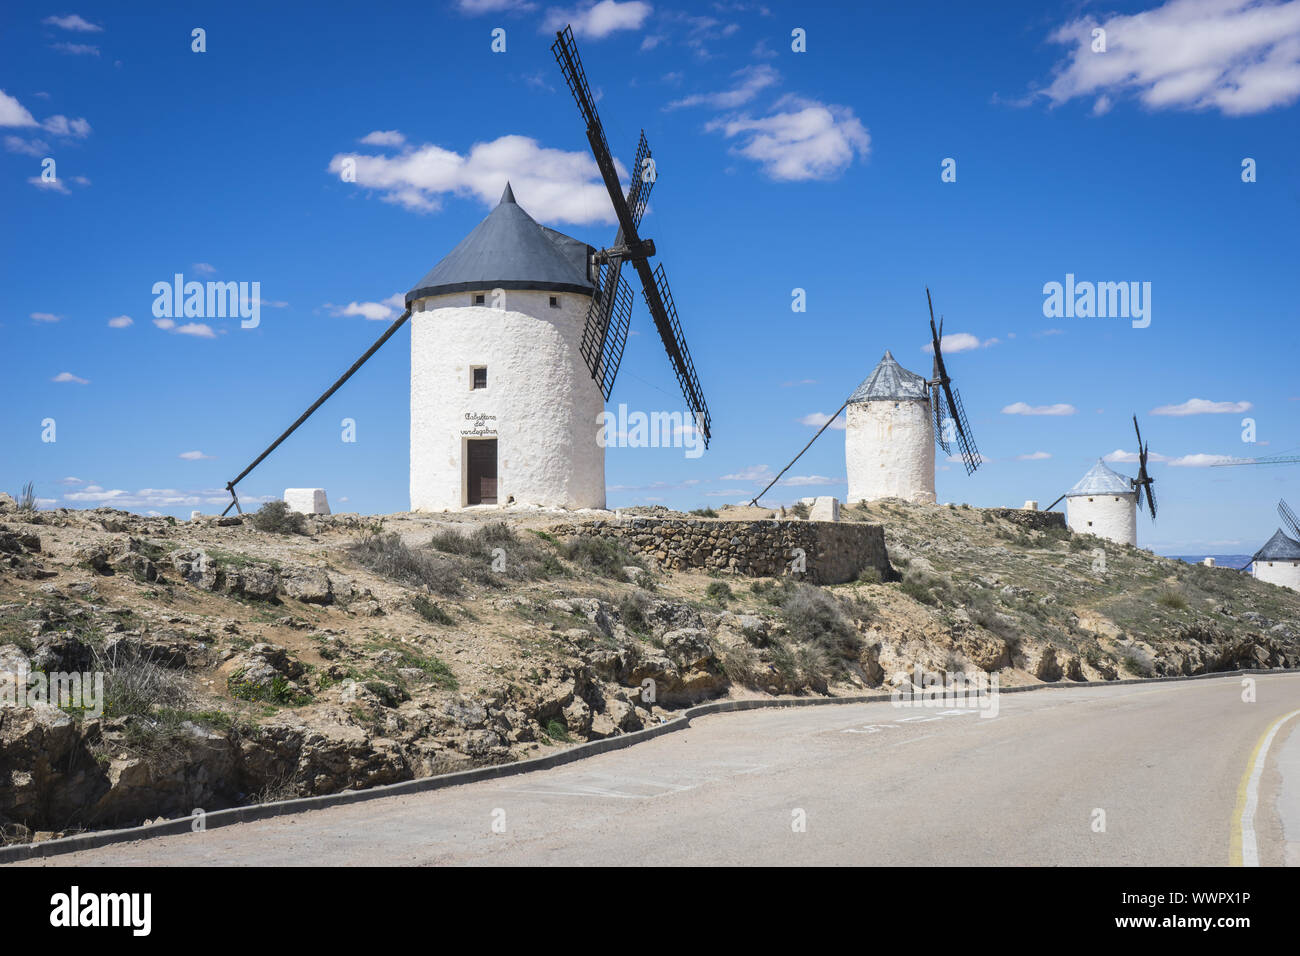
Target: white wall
[[889, 451], [1285, 573], [546, 405], [1113, 517]]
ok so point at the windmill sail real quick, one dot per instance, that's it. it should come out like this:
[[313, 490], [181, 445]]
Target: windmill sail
[[628, 246], [1289, 517], [951, 424], [1144, 483]]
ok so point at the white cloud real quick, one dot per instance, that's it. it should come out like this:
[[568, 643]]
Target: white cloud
[[194, 456], [375, 311], [196, 329], [120, 322], [751, 80], [727, 493], [13, 113], [818, 419], [46, 317], [49, 185], [1198, 461], [474, 7], [73, 22], [384, 137], [34, 147], [959, 342], [1203, 406], [550, 184], [207, 268], [803, 139], [155, 497], [799, 481], [1236, 56], [71, 481], [598, 20], [76, 49], [1120, 455], [60, 125], [1034, 456], [751, 473], [1022, 408], [69, 377]]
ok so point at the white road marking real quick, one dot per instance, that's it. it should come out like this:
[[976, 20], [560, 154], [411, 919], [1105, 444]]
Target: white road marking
[[1249, 845]]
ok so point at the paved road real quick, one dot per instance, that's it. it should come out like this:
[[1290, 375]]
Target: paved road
[[874, 785]]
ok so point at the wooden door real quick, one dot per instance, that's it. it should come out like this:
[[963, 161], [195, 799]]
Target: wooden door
[[482, 470]]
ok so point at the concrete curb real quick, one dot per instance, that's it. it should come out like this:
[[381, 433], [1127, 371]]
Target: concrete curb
[[220, 818]]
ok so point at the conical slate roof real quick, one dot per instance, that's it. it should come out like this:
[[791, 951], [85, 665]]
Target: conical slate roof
[[1279, 548], [1101, 480], [509, 250], [890, 382]]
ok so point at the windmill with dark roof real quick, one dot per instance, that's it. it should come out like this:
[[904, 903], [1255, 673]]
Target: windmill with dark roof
[[1278, 561], [516, 340], [895, 418]]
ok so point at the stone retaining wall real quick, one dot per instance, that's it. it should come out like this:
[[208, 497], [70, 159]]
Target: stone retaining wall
[[832, 552], [1037, 520]]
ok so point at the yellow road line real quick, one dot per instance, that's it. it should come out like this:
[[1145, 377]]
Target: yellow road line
[[1245, 850]]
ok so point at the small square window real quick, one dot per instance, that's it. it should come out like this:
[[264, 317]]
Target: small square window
[[480, 298], [555, 302], [478, 376], [1089, 524]]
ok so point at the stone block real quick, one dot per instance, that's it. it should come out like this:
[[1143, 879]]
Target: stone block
[[308, 501]]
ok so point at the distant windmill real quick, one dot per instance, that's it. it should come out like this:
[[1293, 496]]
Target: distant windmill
[[1104, 503], [895, 418], [606, 329]]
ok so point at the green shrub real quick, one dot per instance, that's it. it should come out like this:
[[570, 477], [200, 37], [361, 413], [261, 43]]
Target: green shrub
[[704, 513], [27, 497], [869, 575], [719, 591], [431, 611], [604, 556], [274, 517], [631, 611], [1172, 600], [386, 554], [814, 617]]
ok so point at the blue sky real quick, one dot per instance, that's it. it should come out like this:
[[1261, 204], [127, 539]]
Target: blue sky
[[778, 170]]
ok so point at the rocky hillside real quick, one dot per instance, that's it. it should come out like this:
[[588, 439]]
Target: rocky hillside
[[256, 658]]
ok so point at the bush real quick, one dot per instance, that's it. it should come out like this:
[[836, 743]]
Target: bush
[[1172, 600], [603, 556], [275, 517], [814, 617], [430, 611], [139, 687], [27, 497], [631, 610], [704, 513], [719, 591], [869, 575], [740, 664], [799, 510], [386, 554], [917, 586]]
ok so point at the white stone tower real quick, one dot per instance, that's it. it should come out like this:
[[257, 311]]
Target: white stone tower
[[889, 437], [1278, 562], [1104, 503], [503, 408]]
